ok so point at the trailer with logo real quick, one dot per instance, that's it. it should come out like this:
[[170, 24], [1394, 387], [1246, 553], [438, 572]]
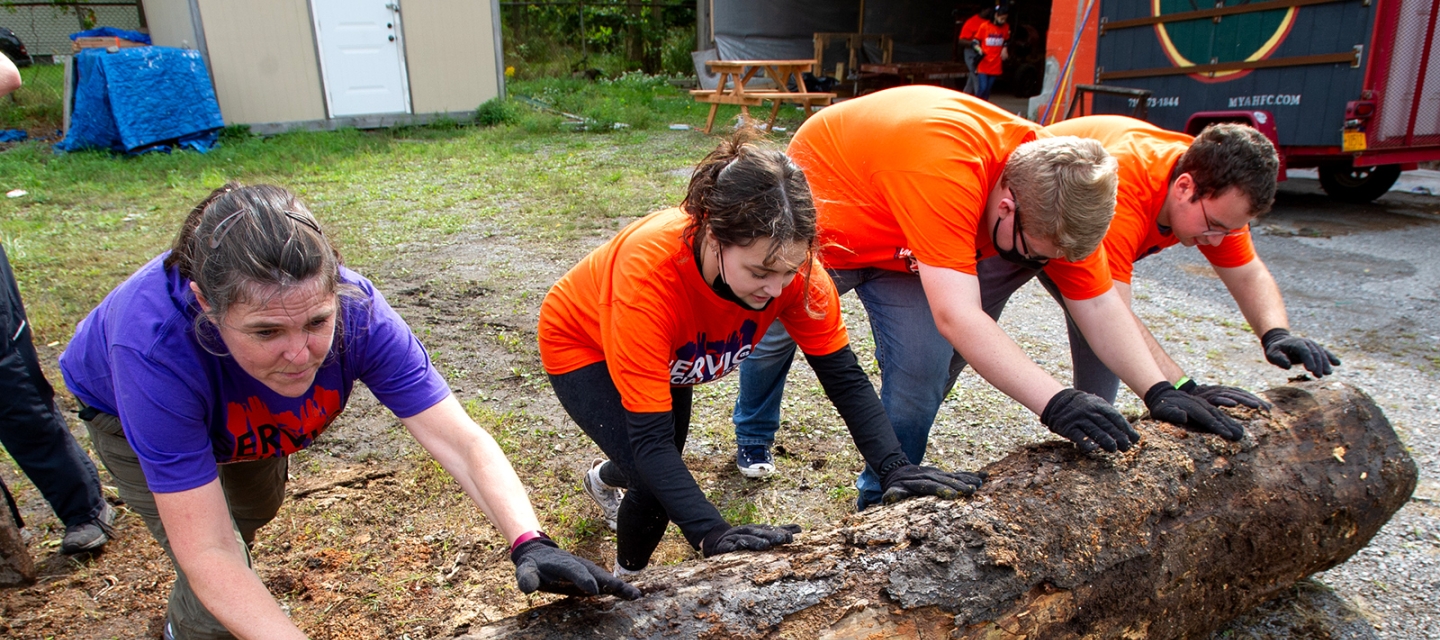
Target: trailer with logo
[[1350, 87]]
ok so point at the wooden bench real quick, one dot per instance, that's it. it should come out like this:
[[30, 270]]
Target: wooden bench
[[809, 101], [734, 87]]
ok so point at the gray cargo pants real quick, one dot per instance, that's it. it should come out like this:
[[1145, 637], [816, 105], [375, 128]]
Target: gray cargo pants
[[254, 491]]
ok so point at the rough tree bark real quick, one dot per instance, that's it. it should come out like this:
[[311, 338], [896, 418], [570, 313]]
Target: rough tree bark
[[16, 566], [1169, 540]]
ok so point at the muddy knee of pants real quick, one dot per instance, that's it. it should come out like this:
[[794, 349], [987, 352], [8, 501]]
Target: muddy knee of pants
[[253, 490]]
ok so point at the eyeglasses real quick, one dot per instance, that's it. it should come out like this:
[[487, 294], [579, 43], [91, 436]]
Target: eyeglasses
[[1017, 240], [1215, 230]]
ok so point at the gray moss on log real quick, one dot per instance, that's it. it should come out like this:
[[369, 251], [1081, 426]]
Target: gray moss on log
[[1170, 540]]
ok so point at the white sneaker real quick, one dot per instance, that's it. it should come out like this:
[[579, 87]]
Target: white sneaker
[[621, 572], [606, 496]]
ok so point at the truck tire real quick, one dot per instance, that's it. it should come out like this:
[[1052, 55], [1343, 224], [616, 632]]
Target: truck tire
[[1358, 184]]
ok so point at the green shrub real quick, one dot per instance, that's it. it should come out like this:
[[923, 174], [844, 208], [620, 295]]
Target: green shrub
[[675, 51], [496, 111], [235, 133], [552, 40]]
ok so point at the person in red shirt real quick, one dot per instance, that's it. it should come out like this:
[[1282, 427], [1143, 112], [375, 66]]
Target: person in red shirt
[[970, 47], [992, 37], [679, 298], [1198, 192], [917, 187]]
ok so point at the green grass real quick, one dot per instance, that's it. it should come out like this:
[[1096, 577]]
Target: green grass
[[36, 104], [633, 100], [91, 218]]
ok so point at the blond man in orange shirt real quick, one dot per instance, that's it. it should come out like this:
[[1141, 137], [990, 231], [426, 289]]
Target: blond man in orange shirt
[[915, 187], [1197, 192]]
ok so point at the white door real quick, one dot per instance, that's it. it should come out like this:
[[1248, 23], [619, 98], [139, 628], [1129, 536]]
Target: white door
[[362, 56]]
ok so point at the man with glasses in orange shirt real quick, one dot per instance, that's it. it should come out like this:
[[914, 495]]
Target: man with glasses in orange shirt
[[1197, 192]]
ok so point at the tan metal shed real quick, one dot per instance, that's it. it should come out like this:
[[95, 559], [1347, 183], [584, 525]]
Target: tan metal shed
[[280, 65]]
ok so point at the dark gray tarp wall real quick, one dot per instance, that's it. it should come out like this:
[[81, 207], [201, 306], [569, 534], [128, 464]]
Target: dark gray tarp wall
[[921, 30], [784, 29], [778, 29]]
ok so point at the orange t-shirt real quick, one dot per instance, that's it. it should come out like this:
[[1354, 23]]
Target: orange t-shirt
[[1147, 155], [992, 39], [639, 304], [904, 174], [967, 31]]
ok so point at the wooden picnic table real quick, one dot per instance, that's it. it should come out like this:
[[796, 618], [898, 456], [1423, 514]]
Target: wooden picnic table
[[731, 89]]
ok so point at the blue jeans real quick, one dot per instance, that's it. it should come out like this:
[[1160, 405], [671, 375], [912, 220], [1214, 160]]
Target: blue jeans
[[918, 366], [984, 82], [762, 384], [1000, 279]]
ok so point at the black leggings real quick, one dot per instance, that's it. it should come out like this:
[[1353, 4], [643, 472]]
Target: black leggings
[[590, 397]]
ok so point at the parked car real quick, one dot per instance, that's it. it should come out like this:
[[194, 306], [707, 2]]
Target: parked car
[[14, 49]]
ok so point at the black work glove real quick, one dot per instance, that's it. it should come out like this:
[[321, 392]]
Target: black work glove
[[747, 537], [541, 564], [1177, 407], [910, 480], [1223, 396], [1284, 350], [1089, 421]]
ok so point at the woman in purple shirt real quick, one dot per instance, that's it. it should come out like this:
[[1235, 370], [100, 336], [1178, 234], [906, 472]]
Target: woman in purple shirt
[[199, 374]]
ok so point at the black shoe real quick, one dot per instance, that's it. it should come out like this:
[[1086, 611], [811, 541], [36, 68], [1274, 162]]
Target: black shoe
[[90, 536], [754, 460]]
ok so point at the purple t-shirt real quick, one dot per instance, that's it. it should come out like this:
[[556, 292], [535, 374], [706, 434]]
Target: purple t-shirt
[[185, 410]]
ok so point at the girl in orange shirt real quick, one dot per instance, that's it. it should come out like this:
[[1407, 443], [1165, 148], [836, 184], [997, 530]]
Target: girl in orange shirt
[[992, 38], [679, 298]]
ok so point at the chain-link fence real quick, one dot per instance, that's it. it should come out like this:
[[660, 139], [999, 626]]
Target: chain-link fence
[[44, 28]]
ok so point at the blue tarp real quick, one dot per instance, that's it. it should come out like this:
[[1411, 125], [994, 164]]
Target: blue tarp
[[142, 99], [13, 135], [112, 32]]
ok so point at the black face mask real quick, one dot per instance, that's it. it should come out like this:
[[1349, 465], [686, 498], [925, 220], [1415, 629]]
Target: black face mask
[[1015, 255], [722, 288]]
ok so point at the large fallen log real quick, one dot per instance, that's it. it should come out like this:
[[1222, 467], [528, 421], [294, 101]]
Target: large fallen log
[[16, 566], [1169, 540]]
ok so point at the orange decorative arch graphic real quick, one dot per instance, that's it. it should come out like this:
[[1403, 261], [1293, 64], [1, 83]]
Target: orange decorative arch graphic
[[1264, 51]]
